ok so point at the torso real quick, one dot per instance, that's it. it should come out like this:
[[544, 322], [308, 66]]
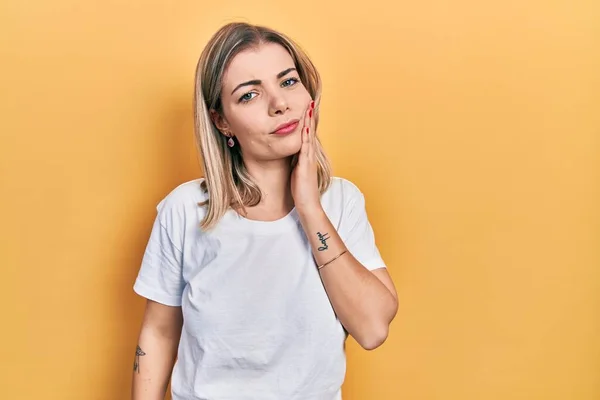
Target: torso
[[257, 319]]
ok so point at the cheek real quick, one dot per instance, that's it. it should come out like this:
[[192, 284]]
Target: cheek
[[301, 98], [246, 122], [307, 95]]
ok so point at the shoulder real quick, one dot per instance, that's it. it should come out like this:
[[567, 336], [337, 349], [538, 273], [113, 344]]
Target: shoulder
[[342, 197], [182, 199], [343, 189]]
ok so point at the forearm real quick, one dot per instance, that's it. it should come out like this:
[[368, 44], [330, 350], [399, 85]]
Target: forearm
[[363, 304], [154, 360]]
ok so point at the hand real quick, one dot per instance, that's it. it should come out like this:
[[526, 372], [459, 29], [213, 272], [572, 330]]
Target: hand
[[304, 182]]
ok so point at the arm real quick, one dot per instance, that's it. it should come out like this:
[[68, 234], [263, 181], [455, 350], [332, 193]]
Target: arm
[[156, 351], [364, 301]]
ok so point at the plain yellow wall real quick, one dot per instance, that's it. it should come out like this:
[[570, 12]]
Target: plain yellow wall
[[472, 127]]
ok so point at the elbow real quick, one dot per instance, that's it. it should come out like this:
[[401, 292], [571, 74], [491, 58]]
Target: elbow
[[379, 335], [375, 339]]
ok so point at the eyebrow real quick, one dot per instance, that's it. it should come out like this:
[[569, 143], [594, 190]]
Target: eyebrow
[[258, 81]]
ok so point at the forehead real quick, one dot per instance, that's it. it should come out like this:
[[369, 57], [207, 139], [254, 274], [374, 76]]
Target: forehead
[[263, 62]]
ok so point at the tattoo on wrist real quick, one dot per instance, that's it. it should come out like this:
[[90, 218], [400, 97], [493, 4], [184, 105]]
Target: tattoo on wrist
[[323, 238], [136, 364]]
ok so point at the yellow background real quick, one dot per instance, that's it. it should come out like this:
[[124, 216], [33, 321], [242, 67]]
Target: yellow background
[[473, 127]]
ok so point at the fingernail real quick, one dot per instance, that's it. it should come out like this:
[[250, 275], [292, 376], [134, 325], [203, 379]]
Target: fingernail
[[310, 113], [312, 104]]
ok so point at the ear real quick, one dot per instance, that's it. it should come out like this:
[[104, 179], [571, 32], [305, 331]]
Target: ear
[[219, 121]]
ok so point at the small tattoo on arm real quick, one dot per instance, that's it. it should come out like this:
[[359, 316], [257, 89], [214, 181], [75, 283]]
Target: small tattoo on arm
[[136, 364], [323, 238]]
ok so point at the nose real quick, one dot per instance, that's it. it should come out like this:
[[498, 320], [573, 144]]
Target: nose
[[278, 104]]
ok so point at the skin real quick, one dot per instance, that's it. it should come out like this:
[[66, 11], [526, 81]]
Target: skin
[[364, 301], [251, 113]]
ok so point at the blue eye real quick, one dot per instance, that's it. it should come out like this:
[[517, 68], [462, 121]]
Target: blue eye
[[293, 80], [246, 97]]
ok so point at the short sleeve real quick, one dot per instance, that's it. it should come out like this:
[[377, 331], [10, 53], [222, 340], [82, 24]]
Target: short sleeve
[[357, 233], [160, 275]]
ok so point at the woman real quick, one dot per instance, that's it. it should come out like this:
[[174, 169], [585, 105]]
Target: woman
[[256, 273]]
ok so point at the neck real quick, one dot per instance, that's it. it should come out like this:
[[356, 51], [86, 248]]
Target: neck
[[273, 179]]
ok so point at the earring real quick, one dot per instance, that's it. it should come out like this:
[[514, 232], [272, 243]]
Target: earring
[[230, 142]]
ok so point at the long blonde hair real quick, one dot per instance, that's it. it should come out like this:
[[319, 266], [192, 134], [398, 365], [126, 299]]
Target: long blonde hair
[[227, 180]]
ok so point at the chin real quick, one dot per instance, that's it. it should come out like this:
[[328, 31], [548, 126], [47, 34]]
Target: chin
[[288, 146], [289, 151]]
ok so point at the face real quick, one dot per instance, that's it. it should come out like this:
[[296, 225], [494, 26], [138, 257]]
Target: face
[[262, 93]]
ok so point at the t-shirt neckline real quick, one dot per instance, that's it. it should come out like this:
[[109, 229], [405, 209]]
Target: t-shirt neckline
[[236, 221]]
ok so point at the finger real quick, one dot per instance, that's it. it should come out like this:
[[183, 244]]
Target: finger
[[313, 130], [305, 144], [307, 115], [305, 139], [306, 119], [307, 122], [310, 152]]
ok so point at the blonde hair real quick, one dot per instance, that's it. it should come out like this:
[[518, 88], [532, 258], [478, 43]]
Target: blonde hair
[[227, 180]]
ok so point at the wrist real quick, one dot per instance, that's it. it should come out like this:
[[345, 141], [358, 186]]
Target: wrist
[[305, 211]]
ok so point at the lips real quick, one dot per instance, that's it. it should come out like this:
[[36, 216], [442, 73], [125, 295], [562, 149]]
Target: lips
[[286, 128]]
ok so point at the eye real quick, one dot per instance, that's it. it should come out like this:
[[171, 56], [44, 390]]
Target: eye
[[290, 82], [246, 97]]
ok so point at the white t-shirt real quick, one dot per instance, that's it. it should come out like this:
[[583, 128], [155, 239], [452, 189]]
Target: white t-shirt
[[257, 320]]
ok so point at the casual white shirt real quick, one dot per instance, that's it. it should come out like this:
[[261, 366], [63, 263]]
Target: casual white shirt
[[257, 320]]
